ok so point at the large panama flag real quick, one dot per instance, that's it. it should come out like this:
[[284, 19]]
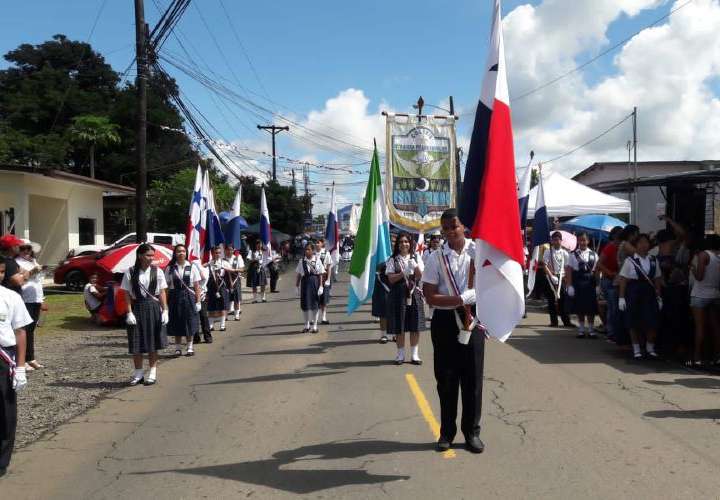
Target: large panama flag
[[540, 234], [332, 231], [372, 242], [215, 234], [265, 229], [489, 205], [194, 226]]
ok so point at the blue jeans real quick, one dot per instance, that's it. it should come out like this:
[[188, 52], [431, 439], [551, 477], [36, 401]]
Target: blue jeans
[[610, 292]]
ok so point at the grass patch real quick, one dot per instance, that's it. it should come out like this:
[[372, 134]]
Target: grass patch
[[66, 312]]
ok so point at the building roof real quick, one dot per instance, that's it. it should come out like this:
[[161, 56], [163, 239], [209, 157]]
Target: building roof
[[692, 177], [69, 177], [689, 165]]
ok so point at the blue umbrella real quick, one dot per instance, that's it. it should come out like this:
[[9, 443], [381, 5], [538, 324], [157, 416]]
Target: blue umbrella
[[233, 231], [597, 226]]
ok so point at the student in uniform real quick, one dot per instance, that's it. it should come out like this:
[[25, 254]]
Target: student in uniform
[[13, 320], [379, 300], [640, 279], [555, 259], [257, 271], [145, 286], [218, 294], [184, 299], [326, 259], [447, 286], [93, 295], [204, 319], [580, 282], [310, 272], [273, 271], [405, 306], [236, 265]]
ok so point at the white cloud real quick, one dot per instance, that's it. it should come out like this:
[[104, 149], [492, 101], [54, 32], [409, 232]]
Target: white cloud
[[665, 70]]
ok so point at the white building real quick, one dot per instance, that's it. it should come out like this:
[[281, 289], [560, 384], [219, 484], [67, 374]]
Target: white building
[[57, 209]]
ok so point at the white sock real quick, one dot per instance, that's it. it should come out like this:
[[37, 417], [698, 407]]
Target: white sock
[[636, 349], [315, 318], [306, 317], [263, 295], [152, 374], [414, 352], [222, 320], [650, 346], [232, 309], [138, 373], [324, 317], [400, 353], [212, 323]]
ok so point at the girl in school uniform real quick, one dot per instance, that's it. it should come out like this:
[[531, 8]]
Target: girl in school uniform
[[236, 265], [145, 286], [581, 282], [379, 300], [218, 294], [405, 307], [257, 271], [310, 272], [640, 279], [184, 299]]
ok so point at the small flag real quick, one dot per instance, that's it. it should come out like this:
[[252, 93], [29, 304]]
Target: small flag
[[540, 233], [332, 231], [489, 206], [194, 225]]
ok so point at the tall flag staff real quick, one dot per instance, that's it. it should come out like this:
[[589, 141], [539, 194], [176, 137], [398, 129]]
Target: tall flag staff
[[215, 234], [195, 232], [489, 203], [265, 228], [540, 236], [372, 242], [332, 230], [233, 230], [524, 193]]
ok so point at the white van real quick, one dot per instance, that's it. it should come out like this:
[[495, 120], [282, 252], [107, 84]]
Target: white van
[[158, 238]]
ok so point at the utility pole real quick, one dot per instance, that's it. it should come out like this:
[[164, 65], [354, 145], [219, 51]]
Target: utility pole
[[294, 186], [458, 160], [273, 131], [141, 32], [635, 143]]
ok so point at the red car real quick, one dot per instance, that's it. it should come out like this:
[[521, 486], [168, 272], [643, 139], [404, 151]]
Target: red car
[[75, 271]]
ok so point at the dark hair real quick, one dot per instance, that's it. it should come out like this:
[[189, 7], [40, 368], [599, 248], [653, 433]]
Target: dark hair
[[173, 261], [581, 234], [556, 234], [216, 247], [664, 235], [142, 249], [396, 247], [642, 236], [448, 214], [309, 244], [258, 242], [629, 231], [615, 232], [712, 242]]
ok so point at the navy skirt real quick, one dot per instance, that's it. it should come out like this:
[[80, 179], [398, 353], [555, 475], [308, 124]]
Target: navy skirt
[[217, 299], [236, 290], [309, 285], [585, 300], [257, 276], [379, 300], [401, 317], [149, 334], [184, 320], [642, 311]]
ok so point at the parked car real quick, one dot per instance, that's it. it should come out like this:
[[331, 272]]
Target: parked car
[[159, 238], [74, 272]]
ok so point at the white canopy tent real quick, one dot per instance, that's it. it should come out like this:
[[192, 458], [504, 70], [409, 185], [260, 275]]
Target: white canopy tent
[[564, 197]]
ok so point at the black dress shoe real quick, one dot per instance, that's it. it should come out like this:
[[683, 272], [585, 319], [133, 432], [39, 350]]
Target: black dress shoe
[[416, 361], [443, 444], [474, 444], [325, 322], [196, 338], [208, 338]]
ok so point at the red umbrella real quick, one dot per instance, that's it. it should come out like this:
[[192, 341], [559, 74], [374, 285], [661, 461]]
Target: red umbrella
[[121, 259], [569, 240]]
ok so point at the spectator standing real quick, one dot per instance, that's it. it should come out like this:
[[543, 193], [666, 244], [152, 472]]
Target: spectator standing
[[609, 267], [705, 298], [555, 259], [32, 295]]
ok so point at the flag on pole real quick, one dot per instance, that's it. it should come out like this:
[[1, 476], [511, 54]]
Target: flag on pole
[[234, 227], [215, 235], [332, 231], [194, 226], [265, 229], [372, 242], [420, 246], [524, 196], [489, 205], [204, 204], [540, 234]]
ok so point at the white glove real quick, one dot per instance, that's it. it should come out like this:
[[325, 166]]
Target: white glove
[[660, 303], [19, 379], [571, 291], [165, 318], [468, 296], [320, 291], [327, 282], [130, 319], [554, 279], [598, 291], [622, 305], [198, 306]]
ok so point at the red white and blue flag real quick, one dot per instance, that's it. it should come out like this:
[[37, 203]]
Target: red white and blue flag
[[332, 231], [540, 233], [265, 229], [489, 205], [195, 233], [215, 234]]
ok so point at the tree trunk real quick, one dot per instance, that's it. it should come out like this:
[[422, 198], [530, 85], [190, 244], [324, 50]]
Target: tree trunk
[[92, 161]]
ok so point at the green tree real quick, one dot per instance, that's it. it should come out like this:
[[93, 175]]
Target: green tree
[[92, 131]]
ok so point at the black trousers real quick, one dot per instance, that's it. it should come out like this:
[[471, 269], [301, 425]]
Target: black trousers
[[555, 306], [457, 368], [274, 275], [8, 413], [33, 309]]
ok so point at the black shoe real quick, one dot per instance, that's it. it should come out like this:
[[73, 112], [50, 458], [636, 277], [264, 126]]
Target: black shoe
[[474, 444], [580, 336], [417, 362], [384, 339], [208, 338], [569, 325], [133, 382], [443, 444], [223, 328], [196, 338], [325, 322], [553, 325], [149, 381]]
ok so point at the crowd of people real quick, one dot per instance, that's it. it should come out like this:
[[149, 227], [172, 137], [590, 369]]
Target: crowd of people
[[657, 293]]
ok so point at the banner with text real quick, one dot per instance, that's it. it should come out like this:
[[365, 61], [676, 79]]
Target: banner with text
[[420, 170]]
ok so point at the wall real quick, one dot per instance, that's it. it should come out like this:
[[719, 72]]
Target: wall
[[12, 195], [49, 227]]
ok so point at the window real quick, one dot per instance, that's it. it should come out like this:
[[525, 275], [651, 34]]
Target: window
[[163, 240], [86, 230]]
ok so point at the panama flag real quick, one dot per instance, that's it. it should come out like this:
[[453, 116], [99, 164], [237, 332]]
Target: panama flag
[[194, 227], [489, 206], [524, 196], [215, 235], [540, 234], [265, 229], [332, 231], [372, 242]]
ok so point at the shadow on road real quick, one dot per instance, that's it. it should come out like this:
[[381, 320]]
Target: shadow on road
[[339, 365], [319, 348], [90, 385], [712, 414], [690, 383], [275, 473], [273, 378]]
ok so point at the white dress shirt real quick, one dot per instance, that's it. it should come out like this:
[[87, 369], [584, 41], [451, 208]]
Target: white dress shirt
[[32, 290], [144, 279], [13, 315], [195, 276], [459, 267]]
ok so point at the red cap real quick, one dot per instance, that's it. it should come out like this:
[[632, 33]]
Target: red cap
[[9, 241]]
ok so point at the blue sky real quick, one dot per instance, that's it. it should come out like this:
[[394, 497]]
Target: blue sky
[[305, 53]]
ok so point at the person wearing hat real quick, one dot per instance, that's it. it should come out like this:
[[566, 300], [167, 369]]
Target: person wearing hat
[[32, 295], [14, 276], [13, 320]]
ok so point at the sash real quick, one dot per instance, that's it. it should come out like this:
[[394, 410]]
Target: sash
[[641, 272], [187, 272], [153, 284], [9, 360], [409, 284], [556, 291], [470, 322], [234, 263]]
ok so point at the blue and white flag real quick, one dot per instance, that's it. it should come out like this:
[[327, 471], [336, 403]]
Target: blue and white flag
[[332, 231], [265, 229], [215, 235], [236, 223], [541, 233]]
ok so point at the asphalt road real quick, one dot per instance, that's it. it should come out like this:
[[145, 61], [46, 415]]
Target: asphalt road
[[267, 412]]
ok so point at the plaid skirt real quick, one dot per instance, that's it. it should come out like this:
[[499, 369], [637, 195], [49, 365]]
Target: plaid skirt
[[149, 334], [236, 290], [257, 276], [401, 317], [184, 321], [379, 300], [309, 285]]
